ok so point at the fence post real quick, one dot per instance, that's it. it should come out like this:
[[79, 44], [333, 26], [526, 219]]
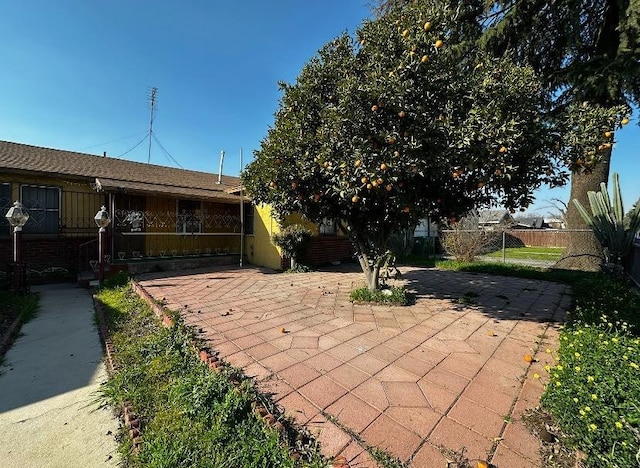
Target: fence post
[[504, 249]]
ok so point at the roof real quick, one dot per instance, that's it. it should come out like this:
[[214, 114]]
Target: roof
[[494, 217], [535, 222], [111, 174]]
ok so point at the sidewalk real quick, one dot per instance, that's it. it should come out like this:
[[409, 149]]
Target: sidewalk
[[49, 416]]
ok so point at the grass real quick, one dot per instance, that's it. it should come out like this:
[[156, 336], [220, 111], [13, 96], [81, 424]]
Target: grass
[[390, 295], [190, 416], [551, 254], [593, 390]]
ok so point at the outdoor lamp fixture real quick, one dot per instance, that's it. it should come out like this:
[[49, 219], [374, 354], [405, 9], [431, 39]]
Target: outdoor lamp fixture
[[17, 217], [102, 220]]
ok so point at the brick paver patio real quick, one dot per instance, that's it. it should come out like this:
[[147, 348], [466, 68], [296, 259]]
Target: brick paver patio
[[448, 371]]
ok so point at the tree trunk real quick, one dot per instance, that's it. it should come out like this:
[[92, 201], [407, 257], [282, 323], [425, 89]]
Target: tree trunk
[[584, 252], [371, 273]]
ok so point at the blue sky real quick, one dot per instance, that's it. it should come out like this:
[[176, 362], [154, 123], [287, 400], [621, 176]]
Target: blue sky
[[77, 74]]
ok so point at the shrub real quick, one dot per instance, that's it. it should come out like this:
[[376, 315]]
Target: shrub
[[292, 240]]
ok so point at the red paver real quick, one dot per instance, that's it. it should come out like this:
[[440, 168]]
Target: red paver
[[408, 379]]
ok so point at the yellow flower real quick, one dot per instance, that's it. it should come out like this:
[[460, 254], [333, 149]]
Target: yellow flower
[[547, 368], [536, 376], [587, 408], [559, 367], [578, 368], [614, 339], [593, 427], [618, 425], [548, 351], [576, 354], [594, 396], [558, 384], [634, 365], [575, 400], [590, 378], [582, 413]]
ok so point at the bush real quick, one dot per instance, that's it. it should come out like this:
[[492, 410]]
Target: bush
[[292, 240], [465, 245], [392, 295]]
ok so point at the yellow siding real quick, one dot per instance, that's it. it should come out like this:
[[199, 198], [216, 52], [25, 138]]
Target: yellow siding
[[258, 247]]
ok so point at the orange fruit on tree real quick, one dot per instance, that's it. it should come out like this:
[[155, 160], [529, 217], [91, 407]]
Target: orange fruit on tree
[[396, 153], [438, 44], [402, 114], [391, 140], [358, 163], [405, 33], [528, 358], [355, 199], [427, 26], [424, 58], [383, 167], [624, 121], [294, 185], [498, 172], [405, 209], [369, 186], [389, 187], [608, 134], [374, 108], [482, 464], [503, 149], [272, 184], [326, 164]]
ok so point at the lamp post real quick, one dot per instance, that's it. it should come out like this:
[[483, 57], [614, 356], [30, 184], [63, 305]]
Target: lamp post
[[102, 221], [17, 217]]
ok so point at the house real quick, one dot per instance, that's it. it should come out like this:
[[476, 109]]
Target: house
[[495, 219], [530, 222], [159, 214]]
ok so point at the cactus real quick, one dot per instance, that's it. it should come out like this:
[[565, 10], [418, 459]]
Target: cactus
[[608, 221]]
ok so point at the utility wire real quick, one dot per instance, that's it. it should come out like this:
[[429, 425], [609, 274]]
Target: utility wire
[[136, 145], [112, 141], [166, 152]]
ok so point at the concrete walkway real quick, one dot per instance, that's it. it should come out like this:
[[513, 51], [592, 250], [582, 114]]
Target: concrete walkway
[[445, 373], [49, 417]]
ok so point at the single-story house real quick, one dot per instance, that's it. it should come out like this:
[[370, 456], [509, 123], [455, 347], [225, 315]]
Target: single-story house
[[159, 214], [493, 219]]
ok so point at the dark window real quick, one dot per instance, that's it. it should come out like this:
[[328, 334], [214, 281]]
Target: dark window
[[327, 227], [188, 220], [248, 218], [5, 204], [43, 204]]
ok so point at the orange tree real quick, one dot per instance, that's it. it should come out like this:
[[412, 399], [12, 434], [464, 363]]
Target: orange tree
[[402, 122]]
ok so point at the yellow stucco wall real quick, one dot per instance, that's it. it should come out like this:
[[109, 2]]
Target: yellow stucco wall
[[258, 247]]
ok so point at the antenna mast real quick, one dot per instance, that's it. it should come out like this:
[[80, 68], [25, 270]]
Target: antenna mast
[[152, 103]]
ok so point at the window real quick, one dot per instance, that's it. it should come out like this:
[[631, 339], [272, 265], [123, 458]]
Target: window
[[5, 204], [248, 218], [43, 204], [327, 227], [188, 220]]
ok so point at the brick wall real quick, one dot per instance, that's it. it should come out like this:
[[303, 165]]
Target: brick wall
[[41, 253]]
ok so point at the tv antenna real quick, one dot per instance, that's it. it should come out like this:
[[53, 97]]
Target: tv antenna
[[152, 104]]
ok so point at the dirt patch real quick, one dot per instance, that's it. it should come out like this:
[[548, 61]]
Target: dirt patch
[[554, 452]]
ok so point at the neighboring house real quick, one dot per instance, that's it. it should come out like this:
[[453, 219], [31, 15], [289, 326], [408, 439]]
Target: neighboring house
[[495, 219], [530, 222], [158, 213]]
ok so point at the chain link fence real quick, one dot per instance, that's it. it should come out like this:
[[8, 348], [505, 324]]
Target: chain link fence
[[534, 247]]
